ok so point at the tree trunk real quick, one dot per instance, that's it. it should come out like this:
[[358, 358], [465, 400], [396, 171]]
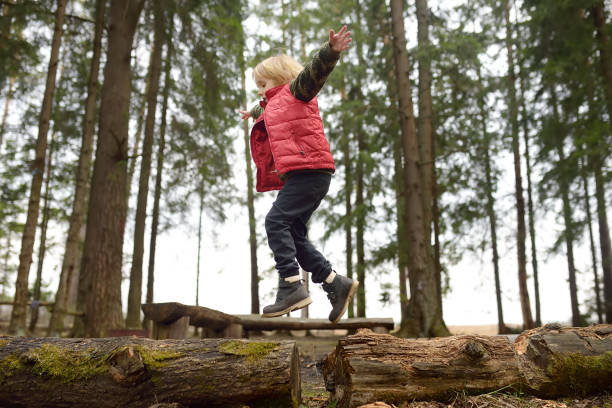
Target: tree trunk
[[103, 252], [160, 164], [138, 372], [42, 248], [18, 316], [567, 211], [424, 315], [589, 221], [197, 294], [348, 205], [551, 362], [604, 236], [135, 291], [69, 272], [251, 208], [490, 208], [425, 119], [7, 101], [520, 202], [605, 59], [530, 210]]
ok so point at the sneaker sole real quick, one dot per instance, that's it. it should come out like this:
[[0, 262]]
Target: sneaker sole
[[299, 305], [350, 296]]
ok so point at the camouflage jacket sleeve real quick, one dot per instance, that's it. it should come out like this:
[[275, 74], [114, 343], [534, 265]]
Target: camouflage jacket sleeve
[[310, 81], [256, 111]]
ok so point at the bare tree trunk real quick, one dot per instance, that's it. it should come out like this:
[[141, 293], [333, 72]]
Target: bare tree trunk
[[7, 101], [103, 252], [160, 164], [5, 278], [424, 315], [135, 291], [490, 206], [589, 220], [69, 272], [42, 248], [425, 119], [530, 210], [605, 59], [197, 298], [18, 316], [250, 207], [604, 237], [402, 261], [567, 215], [348, 205], [360, 187], [520, 202]]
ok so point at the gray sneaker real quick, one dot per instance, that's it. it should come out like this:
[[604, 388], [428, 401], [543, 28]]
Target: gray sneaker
[[290, 296], [340, 292]]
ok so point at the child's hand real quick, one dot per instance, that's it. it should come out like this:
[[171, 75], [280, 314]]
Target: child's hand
[[340, 42], [245, 114]]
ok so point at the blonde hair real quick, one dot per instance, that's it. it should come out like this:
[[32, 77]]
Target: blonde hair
[[281, 69]]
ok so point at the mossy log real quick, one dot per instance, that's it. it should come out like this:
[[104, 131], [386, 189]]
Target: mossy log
[[550, 361], [138, 372], [556, 361]]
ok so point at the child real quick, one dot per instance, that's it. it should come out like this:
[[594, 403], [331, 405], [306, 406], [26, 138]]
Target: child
[[292, 155]]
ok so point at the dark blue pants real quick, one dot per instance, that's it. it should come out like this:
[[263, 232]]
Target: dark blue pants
[[286, 226]]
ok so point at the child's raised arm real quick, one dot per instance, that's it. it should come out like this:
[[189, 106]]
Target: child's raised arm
[[310, 81]]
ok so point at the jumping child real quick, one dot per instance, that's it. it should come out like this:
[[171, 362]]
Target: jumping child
[[292, 155]]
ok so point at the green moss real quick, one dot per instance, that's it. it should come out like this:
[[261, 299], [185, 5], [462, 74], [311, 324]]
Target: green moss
[[9, 366], [156, 358], [253, 351], [581, 374], [3, 343], [64, 365]]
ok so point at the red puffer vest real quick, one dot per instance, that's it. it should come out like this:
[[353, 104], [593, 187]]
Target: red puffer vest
[[288, 136]]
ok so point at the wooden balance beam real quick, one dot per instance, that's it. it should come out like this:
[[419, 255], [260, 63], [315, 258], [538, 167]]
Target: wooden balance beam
[[256, 322], [171, 321]]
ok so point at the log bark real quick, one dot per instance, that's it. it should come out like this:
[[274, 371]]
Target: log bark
[[547, 362], [137, 372]]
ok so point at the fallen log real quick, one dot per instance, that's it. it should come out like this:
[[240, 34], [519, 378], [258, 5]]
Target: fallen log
[[138, 372], [555, 361], [369, 367], [550, 361]]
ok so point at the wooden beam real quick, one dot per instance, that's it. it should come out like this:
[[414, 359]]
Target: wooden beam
[[256, 322]]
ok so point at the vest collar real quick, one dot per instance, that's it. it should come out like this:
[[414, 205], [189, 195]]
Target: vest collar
[[273, 91]]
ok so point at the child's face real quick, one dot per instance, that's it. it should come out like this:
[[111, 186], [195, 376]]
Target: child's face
[[263, 85]]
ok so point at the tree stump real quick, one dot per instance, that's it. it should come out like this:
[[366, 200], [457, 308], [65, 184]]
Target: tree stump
[[549, 362], [137, 372]]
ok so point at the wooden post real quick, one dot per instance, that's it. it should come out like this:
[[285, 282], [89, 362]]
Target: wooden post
[[175, 330]]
